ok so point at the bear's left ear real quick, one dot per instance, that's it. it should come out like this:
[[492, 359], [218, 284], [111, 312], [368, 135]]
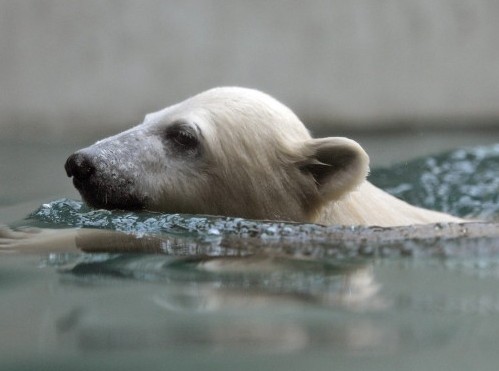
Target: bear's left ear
[[337, 164]]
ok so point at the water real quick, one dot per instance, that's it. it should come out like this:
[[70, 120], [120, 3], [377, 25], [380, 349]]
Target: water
[[228, 293], [463, 182]]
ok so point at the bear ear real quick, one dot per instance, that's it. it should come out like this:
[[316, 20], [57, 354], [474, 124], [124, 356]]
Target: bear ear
[[337, 164]]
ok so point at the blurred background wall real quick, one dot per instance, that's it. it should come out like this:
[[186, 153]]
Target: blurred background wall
[[76, 69]]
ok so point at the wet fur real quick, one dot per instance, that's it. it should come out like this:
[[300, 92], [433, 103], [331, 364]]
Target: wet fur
[[254, 159]]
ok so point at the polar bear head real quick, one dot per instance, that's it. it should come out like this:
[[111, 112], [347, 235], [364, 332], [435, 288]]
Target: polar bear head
[[227, 151]]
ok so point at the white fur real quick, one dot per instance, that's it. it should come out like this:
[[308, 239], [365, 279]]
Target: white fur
[[256, 160]]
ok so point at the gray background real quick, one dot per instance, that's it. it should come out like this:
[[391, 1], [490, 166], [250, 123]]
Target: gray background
[[71, 69], [405, 78]]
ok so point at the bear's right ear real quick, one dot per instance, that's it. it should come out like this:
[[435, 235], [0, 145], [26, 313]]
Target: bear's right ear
[[337, 164]]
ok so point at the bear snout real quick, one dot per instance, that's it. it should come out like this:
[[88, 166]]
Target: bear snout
[[101, 184], [79, 166]]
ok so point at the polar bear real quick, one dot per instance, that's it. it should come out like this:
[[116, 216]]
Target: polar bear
[[238, 152]]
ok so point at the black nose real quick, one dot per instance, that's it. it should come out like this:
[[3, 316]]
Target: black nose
[[79, 166]]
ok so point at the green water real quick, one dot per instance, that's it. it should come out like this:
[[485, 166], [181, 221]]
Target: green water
[[156, 311], [233, 294], [462, 182]]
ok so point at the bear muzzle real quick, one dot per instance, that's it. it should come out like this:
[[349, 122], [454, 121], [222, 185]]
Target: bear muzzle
[[100, 188], [80, 167]]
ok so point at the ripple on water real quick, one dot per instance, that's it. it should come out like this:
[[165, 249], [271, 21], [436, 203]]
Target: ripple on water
[[463, 182]]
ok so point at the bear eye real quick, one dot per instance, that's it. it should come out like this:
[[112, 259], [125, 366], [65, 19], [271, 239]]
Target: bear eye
[[182, 139]]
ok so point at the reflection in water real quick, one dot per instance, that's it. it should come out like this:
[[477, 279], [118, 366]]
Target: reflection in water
[[211, 284], [255, 301], [264, 303], [156, 283], [287, 305]]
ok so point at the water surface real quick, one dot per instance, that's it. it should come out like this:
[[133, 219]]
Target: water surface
[[228, 293]]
